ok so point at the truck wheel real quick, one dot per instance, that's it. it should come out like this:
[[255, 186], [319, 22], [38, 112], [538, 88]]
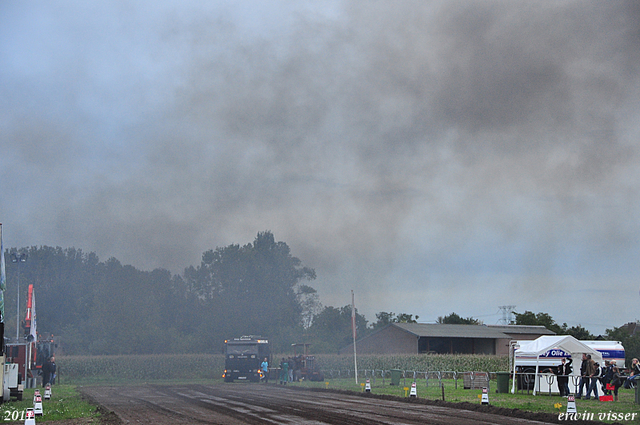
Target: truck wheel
[[528, 381]]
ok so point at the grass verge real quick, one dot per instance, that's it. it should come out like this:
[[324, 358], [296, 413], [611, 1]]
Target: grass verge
[[542, 403], [66, 403]]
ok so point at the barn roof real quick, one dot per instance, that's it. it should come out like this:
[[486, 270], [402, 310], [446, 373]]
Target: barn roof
[[523, 329], [436, 330]]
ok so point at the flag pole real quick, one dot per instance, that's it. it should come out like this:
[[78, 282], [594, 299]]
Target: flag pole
[[3, 282], [353, 328]]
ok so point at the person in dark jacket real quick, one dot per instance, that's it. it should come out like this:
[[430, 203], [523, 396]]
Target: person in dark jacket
[[607, 376], [49, 371], [593, 371], [616, 379], [563, 372], [584, 380]]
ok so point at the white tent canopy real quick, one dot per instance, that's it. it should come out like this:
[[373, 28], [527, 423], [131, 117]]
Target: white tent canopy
[[545, 343]]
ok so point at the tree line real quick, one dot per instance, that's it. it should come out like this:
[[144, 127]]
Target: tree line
[[105, 307]]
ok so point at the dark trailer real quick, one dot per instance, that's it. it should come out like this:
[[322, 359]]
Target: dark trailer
[[243, 357]]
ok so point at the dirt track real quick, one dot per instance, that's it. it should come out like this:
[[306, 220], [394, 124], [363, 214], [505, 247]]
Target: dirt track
[[261, 404]]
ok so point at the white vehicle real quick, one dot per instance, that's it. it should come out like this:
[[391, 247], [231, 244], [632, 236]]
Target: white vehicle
[[610, 350], [11, 387]]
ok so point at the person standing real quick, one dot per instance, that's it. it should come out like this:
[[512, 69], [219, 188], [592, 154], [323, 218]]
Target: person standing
[[592, 372], [584, 381], [284, 371], [607, 376], [616, 379], [265, 369], [49, 371], [291, 363], [564, 370]]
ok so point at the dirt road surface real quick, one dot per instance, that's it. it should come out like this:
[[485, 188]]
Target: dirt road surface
[[272, 404]]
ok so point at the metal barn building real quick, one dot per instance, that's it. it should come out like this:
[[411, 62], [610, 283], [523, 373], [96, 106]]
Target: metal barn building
[[422, 338]]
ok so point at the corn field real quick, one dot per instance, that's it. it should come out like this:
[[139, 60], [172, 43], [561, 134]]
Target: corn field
[[422, 362], [74, 369]]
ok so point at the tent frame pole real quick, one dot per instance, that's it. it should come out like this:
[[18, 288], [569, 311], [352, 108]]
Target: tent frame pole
[[535, 378]]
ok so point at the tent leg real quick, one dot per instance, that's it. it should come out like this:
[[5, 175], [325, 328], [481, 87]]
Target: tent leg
[[535, 378], [513, 385]]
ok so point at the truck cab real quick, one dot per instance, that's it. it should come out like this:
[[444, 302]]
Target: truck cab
[[243, 357]]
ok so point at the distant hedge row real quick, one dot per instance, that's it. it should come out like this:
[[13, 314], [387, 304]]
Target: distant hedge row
[[76, 369]]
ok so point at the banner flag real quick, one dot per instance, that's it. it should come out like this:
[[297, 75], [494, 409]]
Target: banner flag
[[33, 331]]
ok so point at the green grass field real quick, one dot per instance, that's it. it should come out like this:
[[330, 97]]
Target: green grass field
[[523, 401], [65, 403]]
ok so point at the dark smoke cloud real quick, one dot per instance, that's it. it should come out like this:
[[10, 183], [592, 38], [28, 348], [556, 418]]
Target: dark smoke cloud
[[417, 152]]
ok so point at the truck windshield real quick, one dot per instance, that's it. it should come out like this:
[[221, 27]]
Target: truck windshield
[[242, 349]]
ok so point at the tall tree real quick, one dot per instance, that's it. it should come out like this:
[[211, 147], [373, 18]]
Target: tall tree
[[630, 340], [383, 319], [387, 317], [455, 319], [310, 304], [331, 328], [540, 319], [101, 308], [252, 289], [578, 332], [406, 318]]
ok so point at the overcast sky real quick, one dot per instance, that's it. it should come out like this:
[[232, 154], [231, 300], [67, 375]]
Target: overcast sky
[[434, 157]]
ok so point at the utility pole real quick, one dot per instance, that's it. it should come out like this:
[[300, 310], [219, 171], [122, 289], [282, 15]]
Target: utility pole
[[18, 258]]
